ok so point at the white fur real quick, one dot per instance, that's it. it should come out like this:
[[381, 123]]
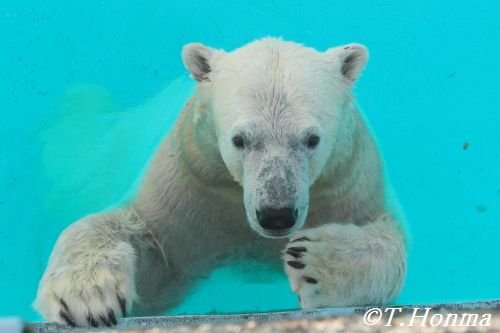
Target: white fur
[[200, 189], [96, 255], [352, 265]]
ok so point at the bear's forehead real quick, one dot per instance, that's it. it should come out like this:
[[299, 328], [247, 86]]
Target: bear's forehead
[[273, 61], [276, 83], [273, 77]]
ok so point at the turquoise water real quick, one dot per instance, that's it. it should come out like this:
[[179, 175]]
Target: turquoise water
[[90, 85]]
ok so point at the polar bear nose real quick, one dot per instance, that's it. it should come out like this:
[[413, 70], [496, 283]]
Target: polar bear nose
[[277, 218]]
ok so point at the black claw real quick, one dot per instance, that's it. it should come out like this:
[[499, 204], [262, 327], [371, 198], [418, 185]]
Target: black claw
[[67, 318], [296, 264], [91, 320], [310, 280], [65, 306], [298, 249], [105, 320], [300, 239], [122, 306], [111, 315], [294, 254]]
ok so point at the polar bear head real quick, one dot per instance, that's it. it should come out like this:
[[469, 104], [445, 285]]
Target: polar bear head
[[280, 112]]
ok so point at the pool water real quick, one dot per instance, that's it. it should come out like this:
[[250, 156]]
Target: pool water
[[89, 88]]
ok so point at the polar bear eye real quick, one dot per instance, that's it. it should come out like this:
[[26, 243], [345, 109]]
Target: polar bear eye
[[313, 141], [238, 141]]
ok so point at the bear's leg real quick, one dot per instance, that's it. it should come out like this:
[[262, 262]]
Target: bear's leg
[[347, 265], [90, 276]]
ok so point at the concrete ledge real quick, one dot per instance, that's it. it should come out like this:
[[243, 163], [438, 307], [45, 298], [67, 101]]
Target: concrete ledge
[[321, 320]]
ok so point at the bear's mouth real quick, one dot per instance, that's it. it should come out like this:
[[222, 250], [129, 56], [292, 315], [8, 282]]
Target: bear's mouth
[[275, 233]]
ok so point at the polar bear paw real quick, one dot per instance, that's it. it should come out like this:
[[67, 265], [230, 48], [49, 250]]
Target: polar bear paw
[[93, 297], [300, 265], [323, 266], [345, 264]]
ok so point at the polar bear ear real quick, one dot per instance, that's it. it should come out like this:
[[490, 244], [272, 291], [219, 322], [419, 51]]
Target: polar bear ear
[[198, 59], [351, 59]]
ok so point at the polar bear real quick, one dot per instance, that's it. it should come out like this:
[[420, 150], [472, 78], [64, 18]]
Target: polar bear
[[270, 158]]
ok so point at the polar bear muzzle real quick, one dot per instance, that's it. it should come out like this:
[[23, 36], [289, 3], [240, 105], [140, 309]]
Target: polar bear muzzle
[[276, 191]]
